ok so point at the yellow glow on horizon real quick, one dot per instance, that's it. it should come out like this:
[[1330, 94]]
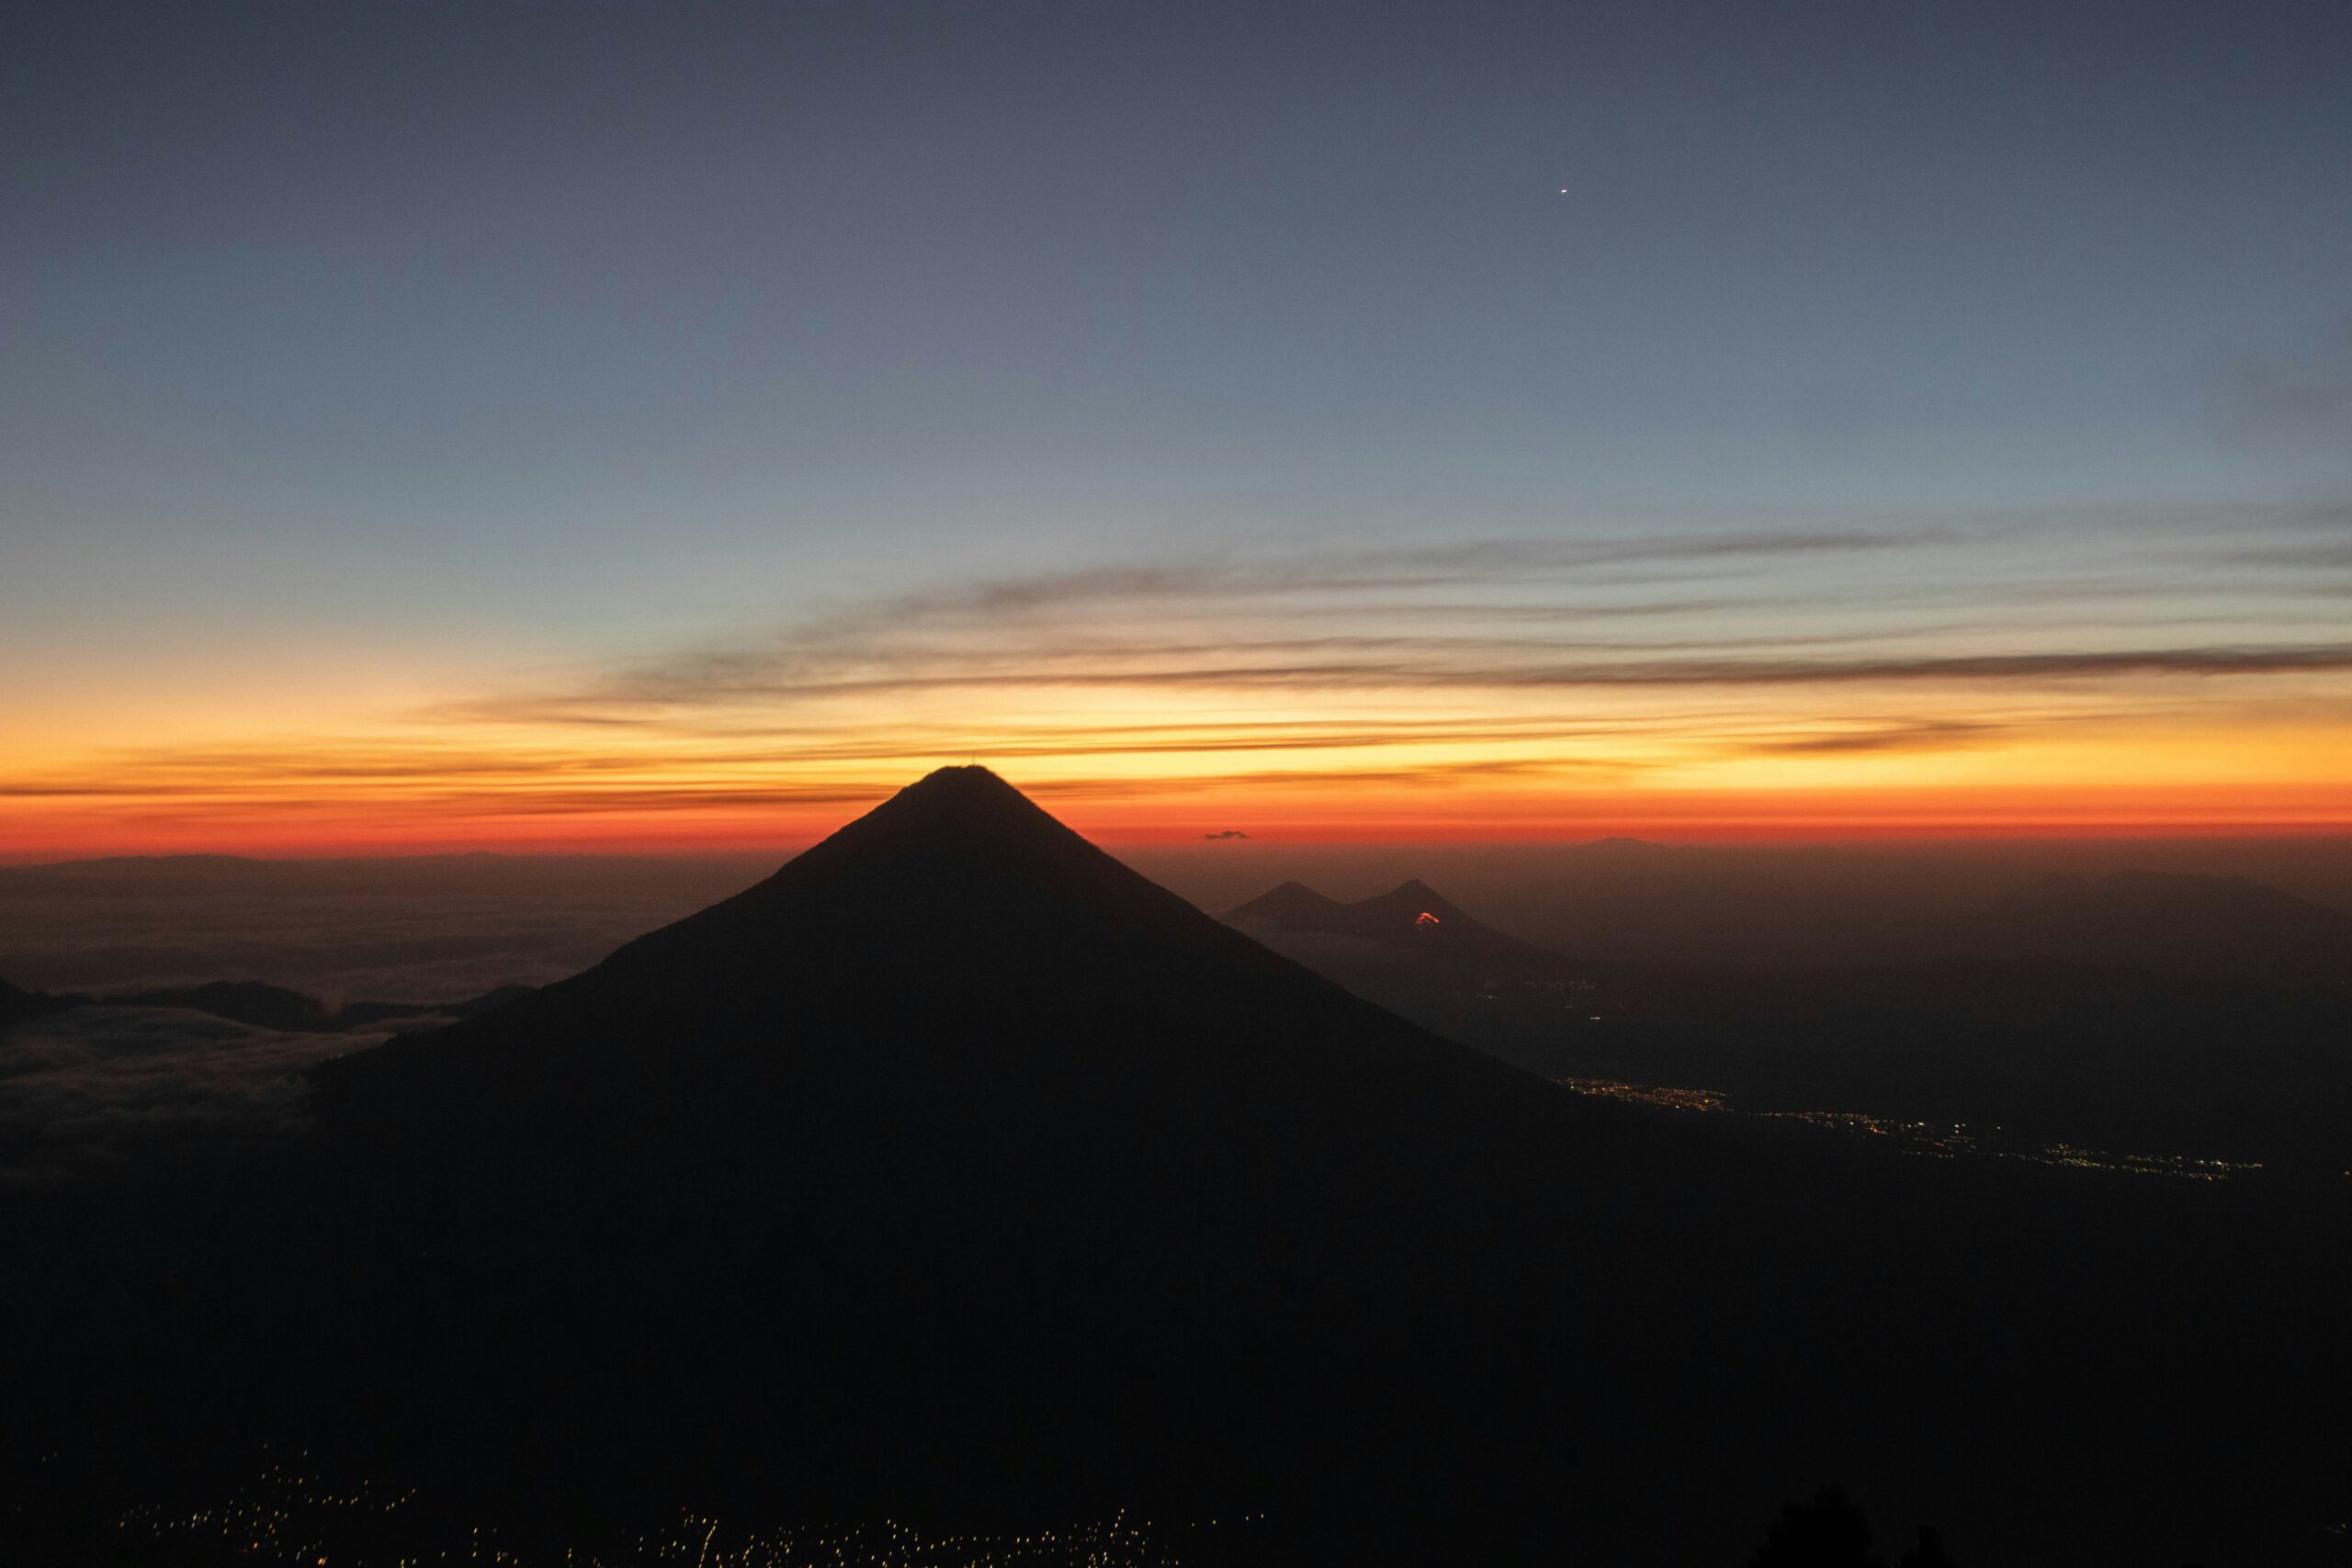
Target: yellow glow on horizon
[[1493, 691], [1167, 769]]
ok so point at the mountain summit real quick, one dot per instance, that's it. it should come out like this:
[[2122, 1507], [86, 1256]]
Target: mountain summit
[[957, 929], [1413, 922], [967, 1166]]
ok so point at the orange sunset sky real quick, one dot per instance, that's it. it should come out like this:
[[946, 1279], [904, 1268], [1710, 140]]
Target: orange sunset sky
[[2089, 676], [652, 438]]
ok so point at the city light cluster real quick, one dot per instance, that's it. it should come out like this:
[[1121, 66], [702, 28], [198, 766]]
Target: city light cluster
[[1943, 1140]]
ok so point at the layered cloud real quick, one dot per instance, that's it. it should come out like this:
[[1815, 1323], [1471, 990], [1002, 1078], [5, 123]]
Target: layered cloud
[[94, 1085], [2101, 654]]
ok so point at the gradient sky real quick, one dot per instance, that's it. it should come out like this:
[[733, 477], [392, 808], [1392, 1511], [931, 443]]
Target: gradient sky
[[551, 425]]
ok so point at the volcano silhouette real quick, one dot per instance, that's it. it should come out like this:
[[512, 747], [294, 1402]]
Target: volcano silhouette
[[955, 1163], [961, 953]]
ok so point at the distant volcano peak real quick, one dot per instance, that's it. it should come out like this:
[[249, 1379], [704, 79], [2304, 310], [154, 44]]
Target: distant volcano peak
[[1408, 901], [1293, 904], [1412, 912]]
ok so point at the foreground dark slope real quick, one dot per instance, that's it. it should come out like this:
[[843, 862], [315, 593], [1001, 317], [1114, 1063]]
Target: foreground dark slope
[[955, 1172]]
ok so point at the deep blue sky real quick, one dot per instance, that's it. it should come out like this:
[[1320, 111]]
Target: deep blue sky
[[561, 330]]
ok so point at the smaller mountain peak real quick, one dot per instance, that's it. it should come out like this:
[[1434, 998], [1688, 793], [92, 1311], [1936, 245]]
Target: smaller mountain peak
[[1292, 906], [1404, 904]]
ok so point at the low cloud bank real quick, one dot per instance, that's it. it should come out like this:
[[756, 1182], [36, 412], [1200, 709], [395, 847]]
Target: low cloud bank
[[95, 1086]]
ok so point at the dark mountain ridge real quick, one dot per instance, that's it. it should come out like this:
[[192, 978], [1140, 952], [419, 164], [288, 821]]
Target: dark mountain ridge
[[1289, 907], [17, 1005], [2228, 928], [1413, 922], [276, 1007], [1778, 910], [253, 1002]]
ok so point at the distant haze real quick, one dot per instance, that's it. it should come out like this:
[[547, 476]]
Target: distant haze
[[442, 928]]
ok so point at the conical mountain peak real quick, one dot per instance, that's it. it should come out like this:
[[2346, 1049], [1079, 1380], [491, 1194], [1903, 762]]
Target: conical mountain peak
[[967, 799], [965, 787], [1293, 905], [1409, 902], [963, 815], [954, 935]]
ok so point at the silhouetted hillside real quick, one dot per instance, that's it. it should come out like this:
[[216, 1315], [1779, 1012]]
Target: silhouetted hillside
[[2214, 927], [1412, 923], [17, 1005], [1294, 906], [274, 1007], [245, 1002]]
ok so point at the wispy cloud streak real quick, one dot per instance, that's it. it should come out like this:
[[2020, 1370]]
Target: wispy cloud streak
[[1529, 668]]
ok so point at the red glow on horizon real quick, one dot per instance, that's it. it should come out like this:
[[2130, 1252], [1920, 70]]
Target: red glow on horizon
[[1272, 821]]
